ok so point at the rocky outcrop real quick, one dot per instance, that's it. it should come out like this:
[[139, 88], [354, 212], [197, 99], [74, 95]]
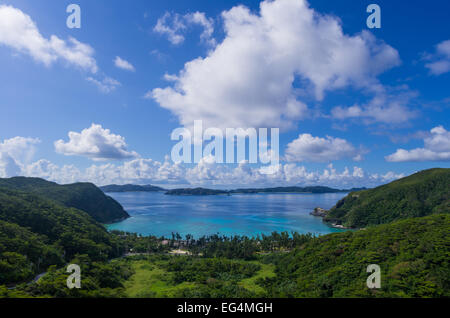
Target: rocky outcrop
[[319, 212]]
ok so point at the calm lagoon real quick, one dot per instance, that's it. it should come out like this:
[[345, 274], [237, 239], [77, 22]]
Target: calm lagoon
[[154, 213]]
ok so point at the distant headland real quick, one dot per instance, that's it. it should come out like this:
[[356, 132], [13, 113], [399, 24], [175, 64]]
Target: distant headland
[[205, 191]]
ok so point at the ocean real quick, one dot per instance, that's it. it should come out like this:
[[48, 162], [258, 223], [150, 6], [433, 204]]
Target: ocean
[[154, 213]]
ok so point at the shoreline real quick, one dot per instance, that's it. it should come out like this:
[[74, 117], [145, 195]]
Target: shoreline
[[227, 194], [317, 228], [321, 213]]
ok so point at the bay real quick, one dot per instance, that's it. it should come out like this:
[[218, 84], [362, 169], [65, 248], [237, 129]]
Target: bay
[[154, 213]]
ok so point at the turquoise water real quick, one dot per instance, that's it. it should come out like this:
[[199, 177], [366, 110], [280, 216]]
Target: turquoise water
[[241, 214]]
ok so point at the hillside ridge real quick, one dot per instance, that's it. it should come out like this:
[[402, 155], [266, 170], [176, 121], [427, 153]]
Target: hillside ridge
[[421, 194], [82, 196]]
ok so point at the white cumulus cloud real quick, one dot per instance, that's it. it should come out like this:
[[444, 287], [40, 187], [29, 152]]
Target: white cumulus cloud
[[14, 153], [8, 166], [439, 62], [98, 143], [95, 143], [385, 107], [106, 85], [307, 148], [123, 64], [436, 148], [207, 24], [175, 25], [247, 79], [206, 174], [19, 32]]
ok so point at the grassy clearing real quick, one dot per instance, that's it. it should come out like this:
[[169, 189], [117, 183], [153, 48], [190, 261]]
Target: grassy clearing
[[151, 280], [266, 271]]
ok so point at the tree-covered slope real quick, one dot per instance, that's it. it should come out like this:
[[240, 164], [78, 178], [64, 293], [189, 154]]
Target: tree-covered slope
[[24, 253], [36, 232], [421, 194], [83, 196], [413, 255], [130, 188]]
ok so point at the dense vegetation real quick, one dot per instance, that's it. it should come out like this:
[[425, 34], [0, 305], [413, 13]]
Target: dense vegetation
[[40, 235], [130, 188], [242, 247], [421, 194], [83, 196], [37, 232], [414, 256], [99, 280]]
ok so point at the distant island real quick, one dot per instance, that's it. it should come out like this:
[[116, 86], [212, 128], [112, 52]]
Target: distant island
[[131, 188], [313, 189], [197, 191], [203, 191]]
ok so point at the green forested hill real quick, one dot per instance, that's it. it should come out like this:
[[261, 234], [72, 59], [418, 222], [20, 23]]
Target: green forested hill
[[36, 232], [413, 255], [83, 196], [130, 188], [23, 253], [420, 194]]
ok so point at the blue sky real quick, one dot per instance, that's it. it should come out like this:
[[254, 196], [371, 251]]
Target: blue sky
[[374, 101]]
